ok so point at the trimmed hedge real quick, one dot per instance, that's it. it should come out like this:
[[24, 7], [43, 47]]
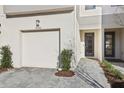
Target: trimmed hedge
[[66, 55], [6, 57]]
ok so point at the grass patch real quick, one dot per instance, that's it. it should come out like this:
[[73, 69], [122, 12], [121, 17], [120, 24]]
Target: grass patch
[[111, 70], [114, 76]]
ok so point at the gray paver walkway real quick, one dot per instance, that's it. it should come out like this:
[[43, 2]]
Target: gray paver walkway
[[92, 68]]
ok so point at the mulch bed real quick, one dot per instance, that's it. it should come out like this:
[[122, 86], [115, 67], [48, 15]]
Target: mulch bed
[[65, 73], [118, 84], [114, 82], [4, 69]]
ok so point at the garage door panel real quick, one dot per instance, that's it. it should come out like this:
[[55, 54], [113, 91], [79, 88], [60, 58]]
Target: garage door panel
[[40, 49]]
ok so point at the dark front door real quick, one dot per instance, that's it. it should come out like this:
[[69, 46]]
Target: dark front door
[[109, 44], [89, 44]]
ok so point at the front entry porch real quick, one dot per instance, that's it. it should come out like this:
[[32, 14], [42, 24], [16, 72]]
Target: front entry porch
[[114, 44], [111, 41], [90, 43]]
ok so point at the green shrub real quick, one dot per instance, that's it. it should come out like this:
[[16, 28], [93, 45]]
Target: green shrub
[[6, 60], [108, 65], [66, 59], [112, 70], [118, 74]]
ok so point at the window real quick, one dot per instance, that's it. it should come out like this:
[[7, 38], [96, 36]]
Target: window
[[89, 7]]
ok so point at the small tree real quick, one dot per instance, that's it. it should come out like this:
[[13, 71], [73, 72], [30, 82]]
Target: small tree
[[6, 57], [66, 59]]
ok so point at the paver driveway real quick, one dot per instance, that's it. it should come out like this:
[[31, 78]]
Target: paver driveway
[[38, 77], [45, 78]]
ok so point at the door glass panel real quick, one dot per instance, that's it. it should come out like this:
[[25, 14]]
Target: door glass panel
[[89, 44], [109, 44]]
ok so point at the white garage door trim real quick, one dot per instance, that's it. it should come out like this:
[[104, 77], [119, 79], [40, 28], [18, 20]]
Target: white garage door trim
[[47, 30]]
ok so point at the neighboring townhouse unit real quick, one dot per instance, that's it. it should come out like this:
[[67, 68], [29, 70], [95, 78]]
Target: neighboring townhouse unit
[[101, 31], [37, 33]]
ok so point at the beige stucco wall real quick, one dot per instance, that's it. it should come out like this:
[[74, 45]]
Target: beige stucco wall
[[113, 21], [108, 9], [10, 31], [91, 22]]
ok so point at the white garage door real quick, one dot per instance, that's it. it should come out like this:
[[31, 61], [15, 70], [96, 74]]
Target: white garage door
[[40, 49]]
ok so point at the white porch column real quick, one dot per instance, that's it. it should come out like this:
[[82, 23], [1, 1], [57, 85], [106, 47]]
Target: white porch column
[[2, 24], [101, 39], [101, 44]]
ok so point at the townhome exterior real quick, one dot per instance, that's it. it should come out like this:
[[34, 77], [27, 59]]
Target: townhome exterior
[[101, 31], [37, 34]]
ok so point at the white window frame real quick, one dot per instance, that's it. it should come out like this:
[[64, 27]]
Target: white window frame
[[90, 7]]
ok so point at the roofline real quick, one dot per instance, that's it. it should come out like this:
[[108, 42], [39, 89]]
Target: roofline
[[40, 12]]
